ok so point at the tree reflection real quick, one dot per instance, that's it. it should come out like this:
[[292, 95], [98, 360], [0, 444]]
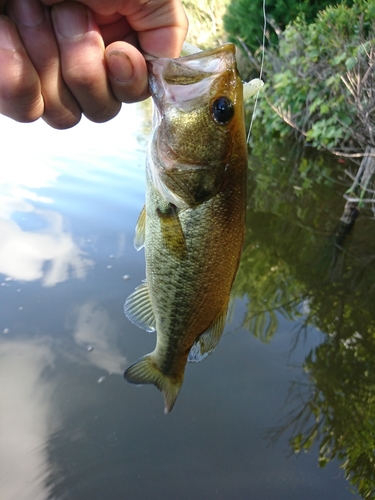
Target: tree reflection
[[309, 258]]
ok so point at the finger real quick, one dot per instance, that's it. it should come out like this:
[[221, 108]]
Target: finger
[[161, 30], [113, 30], [82, 60], [161, 25], [61, 110], [20, 90], [127, 72]]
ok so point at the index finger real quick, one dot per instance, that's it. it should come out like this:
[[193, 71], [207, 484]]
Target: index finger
[[161, 31], [20, 91], [161, 26]]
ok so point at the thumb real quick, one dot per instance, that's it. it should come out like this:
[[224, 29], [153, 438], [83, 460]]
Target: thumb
[[127, 72]]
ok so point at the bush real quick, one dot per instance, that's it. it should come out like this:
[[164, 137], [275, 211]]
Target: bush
[[321, 79], [244, 18]]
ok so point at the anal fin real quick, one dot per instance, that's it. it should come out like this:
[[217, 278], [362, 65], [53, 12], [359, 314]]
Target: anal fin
[[208, 340]]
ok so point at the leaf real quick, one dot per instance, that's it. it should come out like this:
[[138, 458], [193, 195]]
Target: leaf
[[332, 80], [350, 63], [338, 59]]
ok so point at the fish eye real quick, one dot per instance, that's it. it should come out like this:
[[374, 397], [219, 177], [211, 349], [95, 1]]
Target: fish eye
[[222, 110]]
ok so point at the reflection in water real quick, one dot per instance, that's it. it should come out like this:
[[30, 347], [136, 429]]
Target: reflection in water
[[49, 254], [95, 331], [34, 244], [27, 419], [65, 436], [294, 268]]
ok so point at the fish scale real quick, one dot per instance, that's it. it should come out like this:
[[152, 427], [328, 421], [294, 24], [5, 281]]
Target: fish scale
[[193, 223]]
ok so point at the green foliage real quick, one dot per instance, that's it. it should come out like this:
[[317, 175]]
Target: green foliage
[[281, 191], [244, 18], [321, 79], [301, 262], [342, 401]]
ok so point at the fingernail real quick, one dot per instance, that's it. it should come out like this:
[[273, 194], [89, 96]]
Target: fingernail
[[30, 13], [70, 20], [120, 66], [8, 35]]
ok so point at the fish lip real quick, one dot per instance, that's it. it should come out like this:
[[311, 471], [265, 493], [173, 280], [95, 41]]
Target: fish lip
[[194, 67], [224, 48]]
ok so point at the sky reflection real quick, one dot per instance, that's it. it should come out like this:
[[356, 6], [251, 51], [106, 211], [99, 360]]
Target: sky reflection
[[35, 243], [24, 254], [95, 331], [27, 419]]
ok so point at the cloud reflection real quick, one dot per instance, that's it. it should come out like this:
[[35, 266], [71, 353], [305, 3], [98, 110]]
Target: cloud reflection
[[49, 253], [27, 420], [93, 329]]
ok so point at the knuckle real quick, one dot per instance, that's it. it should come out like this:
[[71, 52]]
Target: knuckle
[[103, 113], [130, 93], [21, 108], [62, 120], [20, 92], [79, 78]]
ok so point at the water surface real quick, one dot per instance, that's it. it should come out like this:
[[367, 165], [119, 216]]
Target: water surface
[[72, 428]]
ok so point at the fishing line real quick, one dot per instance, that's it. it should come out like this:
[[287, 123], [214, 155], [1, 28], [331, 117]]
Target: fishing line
[[261, 68]]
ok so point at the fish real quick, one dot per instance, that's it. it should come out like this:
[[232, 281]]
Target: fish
[[193, 223]]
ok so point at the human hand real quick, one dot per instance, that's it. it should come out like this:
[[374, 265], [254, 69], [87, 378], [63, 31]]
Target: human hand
[[60, 59]]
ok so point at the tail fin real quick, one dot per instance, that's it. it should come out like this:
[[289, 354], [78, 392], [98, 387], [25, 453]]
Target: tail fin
[[145, 371]]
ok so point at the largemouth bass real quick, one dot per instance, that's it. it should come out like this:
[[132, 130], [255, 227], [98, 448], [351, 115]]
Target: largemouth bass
[[192, 226]]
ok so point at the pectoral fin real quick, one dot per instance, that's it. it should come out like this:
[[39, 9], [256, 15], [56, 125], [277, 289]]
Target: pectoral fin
[[208, 340], [138, 308], [173, 236], [140, 229]]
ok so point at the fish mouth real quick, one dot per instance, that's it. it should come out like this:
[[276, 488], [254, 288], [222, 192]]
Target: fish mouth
[[194, 66], [188, 79]]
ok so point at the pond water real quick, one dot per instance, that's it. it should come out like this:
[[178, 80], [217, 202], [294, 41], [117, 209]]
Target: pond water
[[298, 347]]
